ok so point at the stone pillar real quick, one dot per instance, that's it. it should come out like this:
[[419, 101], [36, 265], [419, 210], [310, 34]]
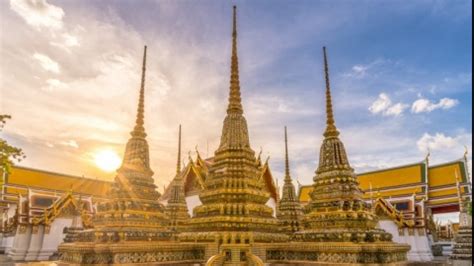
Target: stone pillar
[[21, 243], [7, 243], [36, 243], [53, 236]]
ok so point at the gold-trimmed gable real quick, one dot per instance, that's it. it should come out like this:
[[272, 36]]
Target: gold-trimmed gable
[[267, 178], [304, 194], [66, 205], [384, 208]]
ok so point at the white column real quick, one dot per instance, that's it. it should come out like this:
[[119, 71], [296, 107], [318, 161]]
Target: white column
[[53, 237], [21, 242], [7, 242], [35, 243]]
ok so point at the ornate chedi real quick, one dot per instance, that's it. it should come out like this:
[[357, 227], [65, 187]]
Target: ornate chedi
[[462, 250], [233, 210], [176, 208], [132, 226], [339, 227], [289, 210]]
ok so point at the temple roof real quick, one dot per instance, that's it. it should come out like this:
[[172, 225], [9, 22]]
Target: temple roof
[[22, 178], [411, 178], [194, 174]]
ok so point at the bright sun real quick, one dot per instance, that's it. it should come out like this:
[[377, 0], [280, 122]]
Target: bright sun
[[107, 160]]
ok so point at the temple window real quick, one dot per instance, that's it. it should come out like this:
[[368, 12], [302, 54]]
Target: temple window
[[402, 206]]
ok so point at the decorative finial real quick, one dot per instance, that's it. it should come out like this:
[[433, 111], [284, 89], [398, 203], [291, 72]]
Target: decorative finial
[[331, 130], [466, 152], [428, 154], [178, 163], [190, 157], [287, 161], [268, 159], [235, 102], [139, 130]]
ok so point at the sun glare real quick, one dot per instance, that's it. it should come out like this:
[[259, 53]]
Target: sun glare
[[107, 160]]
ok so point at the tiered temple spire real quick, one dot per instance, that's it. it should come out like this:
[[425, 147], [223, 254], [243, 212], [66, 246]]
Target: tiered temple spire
[[337, 211], [235, 102], [132, 214], [176, 208], [139, 129], [289, 212], [331, 129], [234, 209]]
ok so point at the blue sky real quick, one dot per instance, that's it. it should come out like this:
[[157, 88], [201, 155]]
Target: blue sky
[[400, 72]]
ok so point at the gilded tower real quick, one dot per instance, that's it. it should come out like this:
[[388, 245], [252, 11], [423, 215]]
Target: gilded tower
[[337, 211], [134, 198], [289, 210], [233, 209], [176, 208], [132, 226]]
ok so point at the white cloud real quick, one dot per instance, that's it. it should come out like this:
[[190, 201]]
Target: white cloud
[[361, 71], [47, 63], [38, 13], [436, 142], [70, 143], [396, 109], [425, 106], [53, 84], [383, 105]]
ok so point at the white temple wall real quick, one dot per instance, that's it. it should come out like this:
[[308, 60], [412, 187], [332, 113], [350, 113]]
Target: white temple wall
[[272, 204], [420, 246], [7, 243], [192, 201], [53, 238]]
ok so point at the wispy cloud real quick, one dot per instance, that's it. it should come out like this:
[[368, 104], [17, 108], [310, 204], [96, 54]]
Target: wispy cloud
[[38, 13], [425, 106], [47, 63]]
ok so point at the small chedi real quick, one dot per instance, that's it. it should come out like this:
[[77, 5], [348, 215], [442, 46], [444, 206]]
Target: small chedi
[[462, 250], [289, 210], [176, 209]]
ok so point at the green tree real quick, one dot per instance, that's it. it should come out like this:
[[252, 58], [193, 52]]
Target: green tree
[[8, 153]]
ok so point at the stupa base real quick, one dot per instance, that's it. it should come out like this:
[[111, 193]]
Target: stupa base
[[337, 253], [133, 252]]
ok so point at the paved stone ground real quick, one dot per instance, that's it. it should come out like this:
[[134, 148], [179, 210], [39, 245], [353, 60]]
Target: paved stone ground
[[4, 261]]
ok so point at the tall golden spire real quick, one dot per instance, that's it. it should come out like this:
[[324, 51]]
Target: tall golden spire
[[235, 103], [139, 129], [178, 163], [287, 161], [331, 130], [235, 131]]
